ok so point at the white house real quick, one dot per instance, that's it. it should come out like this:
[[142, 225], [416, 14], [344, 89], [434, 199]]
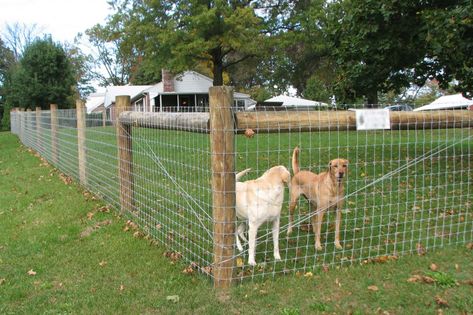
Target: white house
[[186, 92], [456, 101], [94, 103]]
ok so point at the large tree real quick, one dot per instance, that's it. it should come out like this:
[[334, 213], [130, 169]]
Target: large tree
[[43, 76], [185, 34], [375, 43], [449, 35], [7, 61]]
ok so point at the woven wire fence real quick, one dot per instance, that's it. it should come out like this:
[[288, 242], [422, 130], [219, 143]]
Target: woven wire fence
[[407, 189]]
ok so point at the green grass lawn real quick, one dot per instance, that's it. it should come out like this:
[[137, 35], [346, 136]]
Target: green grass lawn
[[62, 252]]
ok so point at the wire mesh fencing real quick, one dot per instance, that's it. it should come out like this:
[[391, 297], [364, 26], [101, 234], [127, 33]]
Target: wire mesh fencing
[[405, 188]]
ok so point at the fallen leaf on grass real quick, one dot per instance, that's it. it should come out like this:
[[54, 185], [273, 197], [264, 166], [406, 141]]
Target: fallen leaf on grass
[[90, 215], [90, 229], [2, 281], [239, 262], [188, 270], [173, 298], [440, 301], [433, 267], [122, 287], [138, 234], [66, 179], [207, 270], [427, 279], [325, 268], [373, 288], [103, 263], [31, 272], [420, 249], [174, 256], [105, 209], [415, 278], [308, 274], [469, 246], [470, 282], [422, 279]]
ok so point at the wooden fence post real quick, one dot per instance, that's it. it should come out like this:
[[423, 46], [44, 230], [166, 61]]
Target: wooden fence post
[[80, 110], [104, 118], [125, 156], [14, 114], [54, 125], [38, 128], [223, 183]]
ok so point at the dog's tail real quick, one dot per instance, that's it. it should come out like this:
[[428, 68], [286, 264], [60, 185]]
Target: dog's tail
[[241, 174], [295, 160]]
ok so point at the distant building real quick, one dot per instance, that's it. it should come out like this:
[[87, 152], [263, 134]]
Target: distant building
[[186, 92], [456, 101]]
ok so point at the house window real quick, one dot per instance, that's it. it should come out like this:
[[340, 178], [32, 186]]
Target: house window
[[239, 104], [202, 101]]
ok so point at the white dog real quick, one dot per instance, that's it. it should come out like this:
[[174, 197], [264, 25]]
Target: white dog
[[258, 201]]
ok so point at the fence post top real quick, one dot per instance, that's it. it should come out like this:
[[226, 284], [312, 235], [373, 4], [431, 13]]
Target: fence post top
[[80, 104]]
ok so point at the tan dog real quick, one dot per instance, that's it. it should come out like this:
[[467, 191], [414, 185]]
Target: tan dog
[[323, 191]]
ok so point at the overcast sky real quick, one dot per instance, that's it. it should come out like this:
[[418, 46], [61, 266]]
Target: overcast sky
[[63, 19]]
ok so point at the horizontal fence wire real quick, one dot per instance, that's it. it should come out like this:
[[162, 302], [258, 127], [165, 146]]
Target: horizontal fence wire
[[407, 189]]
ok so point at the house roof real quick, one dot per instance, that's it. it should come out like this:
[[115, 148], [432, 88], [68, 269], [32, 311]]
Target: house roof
[[289, 101], [188, 82], [131, 90], [456, 101], [93, 101]]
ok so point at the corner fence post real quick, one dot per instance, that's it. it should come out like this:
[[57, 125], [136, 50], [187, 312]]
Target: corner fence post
[[223, 183], [80, 110], [125, 156], [38, 128], [54, 125]]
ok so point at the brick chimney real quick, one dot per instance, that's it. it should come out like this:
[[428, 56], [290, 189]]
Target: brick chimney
[[168, 81]]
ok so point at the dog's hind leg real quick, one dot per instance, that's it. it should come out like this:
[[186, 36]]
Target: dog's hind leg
[[240, 233], [252, 231], [276, 239], [292, 206]]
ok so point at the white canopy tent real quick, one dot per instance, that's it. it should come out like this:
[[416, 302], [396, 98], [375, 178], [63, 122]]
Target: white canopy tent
[[456, 101], [290, 102]]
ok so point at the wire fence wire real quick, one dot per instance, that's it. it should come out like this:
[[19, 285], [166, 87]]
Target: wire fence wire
[[407, 189]]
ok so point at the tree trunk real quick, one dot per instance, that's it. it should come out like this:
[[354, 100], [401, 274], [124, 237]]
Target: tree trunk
[[218, 74], [372, 98], [217, 67]]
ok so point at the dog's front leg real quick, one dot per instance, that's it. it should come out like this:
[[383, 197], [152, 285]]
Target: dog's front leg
[[338, 221], [252, 231], [276, 239]]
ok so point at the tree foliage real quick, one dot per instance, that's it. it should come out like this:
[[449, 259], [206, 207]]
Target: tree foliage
[[354, 49], [43, 76]]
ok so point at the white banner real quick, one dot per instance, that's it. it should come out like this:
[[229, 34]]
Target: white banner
[[372, 119]]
